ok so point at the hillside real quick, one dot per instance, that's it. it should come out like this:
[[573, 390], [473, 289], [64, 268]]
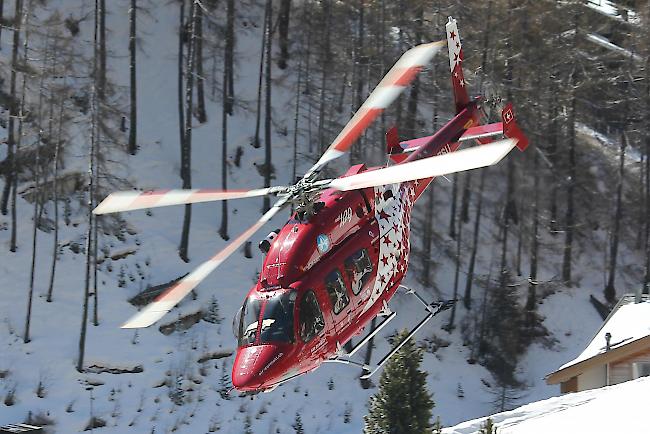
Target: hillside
[[175, 392]]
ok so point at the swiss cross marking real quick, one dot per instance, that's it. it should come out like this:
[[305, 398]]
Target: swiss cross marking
[[507, 116]]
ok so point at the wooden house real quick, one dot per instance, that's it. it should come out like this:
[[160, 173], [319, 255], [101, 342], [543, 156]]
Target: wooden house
[[620, 350]]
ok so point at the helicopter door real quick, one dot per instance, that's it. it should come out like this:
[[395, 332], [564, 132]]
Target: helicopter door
[[358, 272], [339, 298], [311, 330]]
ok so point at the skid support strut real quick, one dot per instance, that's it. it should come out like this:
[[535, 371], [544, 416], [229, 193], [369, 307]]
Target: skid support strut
[[433, 308]]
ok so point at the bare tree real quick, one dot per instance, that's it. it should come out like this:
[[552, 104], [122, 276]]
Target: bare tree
[[531, 301], [467, 298], [200, 93], [10, 177], [283, 32], [101, 79], [258, 118], [267, 111], [91, 195], [228, 64], [569, 218], [133, 113], [186, 153], [21, 122]]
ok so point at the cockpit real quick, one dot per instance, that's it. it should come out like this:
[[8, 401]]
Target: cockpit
[[269, 327], [267, 319]]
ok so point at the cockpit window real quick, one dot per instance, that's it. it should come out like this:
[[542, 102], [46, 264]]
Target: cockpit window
[[311, 317], [277, 322], [337, 292], [276, 314], [249, 321]]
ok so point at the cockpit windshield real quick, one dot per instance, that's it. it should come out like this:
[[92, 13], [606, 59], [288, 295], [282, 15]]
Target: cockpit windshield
[[276, 315]]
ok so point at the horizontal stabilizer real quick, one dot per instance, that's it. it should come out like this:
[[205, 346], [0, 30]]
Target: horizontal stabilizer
[[482, 132], [459, 161]]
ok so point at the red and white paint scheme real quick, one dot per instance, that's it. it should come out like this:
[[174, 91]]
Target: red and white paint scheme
[[340, 258]]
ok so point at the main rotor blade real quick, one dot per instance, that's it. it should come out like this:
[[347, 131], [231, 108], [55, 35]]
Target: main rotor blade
[[132, 200], [168, 299], [459, 161], [387, 91]]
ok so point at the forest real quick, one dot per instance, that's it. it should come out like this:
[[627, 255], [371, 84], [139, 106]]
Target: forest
[[577, 202]]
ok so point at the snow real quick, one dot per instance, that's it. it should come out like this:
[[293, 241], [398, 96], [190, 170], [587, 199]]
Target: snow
[[134, 403], [615, 409], [611, 9], [627, 324]]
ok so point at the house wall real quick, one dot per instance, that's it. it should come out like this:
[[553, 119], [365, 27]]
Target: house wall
[[621, 370], [592, 378]]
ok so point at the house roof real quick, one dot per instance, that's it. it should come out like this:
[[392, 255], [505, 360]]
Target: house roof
[[629, 326]]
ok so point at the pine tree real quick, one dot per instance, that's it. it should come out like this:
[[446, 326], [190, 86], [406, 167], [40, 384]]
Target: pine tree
[[297, 424], [212, 314], [488, 427], [403, 404]]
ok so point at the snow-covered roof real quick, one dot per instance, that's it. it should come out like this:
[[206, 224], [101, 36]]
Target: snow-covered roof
[[626, 324], [593, 411], [612, 10]]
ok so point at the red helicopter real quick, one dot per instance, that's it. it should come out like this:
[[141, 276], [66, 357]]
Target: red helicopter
[[341, 257]]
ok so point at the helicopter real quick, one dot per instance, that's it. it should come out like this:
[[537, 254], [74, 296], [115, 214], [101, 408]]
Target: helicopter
[[340, 258]]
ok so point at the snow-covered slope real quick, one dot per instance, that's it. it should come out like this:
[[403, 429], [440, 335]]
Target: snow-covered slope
[[622, 408], [139, 402]]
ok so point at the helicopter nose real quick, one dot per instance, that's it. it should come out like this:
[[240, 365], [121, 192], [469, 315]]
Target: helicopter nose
[[256, 367]]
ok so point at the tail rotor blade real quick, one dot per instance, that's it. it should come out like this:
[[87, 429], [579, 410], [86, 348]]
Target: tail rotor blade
[[459, 161], [132, 200], [172, 296]]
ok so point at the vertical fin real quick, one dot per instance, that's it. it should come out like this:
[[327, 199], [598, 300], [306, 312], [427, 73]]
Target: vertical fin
[[461, 98], [511, 129], [392, 141]]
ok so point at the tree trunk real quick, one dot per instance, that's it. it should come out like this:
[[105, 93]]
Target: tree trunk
[[223, 231], [13, 112], [327, 11], [101, 79], [200, 93], [355, 153], [569, 216], [90, 202], [610, 290], [258, 118], [452, 317], [2, 10], [37, 171], [186, 161], [55, 243], [531, 301], [133, 147], [467, 299], [283, 32], [553, 141], [452, 215], [267, 109], [296, 119], [181, 107], [646, 279]]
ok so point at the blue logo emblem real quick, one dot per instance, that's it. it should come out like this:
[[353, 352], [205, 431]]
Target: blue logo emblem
[[323, 243]]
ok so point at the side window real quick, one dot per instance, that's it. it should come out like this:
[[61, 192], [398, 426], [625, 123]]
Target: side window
[[358, 268], [337, 291], [311, 317]]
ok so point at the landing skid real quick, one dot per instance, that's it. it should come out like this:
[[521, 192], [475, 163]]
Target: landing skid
[[433, 309]]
